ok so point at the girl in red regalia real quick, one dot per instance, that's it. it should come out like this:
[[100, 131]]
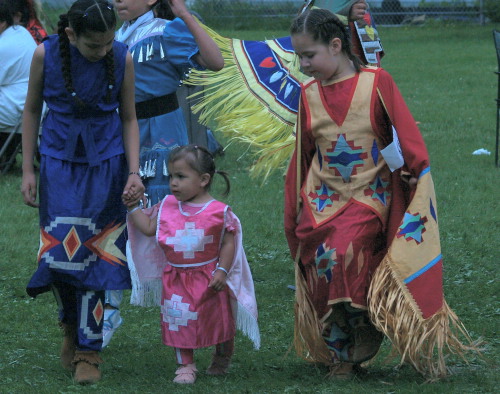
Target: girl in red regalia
[[339, 188], [207, 288]]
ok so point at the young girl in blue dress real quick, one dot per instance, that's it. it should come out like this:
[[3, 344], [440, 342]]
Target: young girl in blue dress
[[89, 160]]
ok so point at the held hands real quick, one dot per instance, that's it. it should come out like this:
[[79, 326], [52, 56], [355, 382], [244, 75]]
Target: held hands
[[134, 190], [218, 281], [28, 189]]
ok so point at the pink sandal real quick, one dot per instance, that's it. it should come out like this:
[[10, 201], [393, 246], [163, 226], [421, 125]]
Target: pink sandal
[[186, 374]]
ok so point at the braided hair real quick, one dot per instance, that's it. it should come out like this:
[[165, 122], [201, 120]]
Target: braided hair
[[324, 26], [86, 16], [200, 160]]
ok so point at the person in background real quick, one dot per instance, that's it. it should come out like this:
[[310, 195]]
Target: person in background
[[16, 51]]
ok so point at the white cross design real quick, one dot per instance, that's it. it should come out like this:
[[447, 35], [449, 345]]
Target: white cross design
[[176, 313], [189, 240]]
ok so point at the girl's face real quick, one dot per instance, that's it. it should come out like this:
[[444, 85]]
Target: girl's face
[[186, 184], [131, 9], [316, 58], [93, 45]]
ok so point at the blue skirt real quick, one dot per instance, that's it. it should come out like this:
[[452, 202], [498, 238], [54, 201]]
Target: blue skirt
[[82, 226]]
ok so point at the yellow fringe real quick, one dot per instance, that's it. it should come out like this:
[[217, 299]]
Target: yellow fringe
[[231, 109], [423, 343], [308, 341]]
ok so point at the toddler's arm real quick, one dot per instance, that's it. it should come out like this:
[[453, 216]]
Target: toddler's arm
[[225, 261], [144, 223]]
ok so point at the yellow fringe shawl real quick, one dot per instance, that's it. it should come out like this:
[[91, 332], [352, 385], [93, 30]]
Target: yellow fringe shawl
[[228, 106]]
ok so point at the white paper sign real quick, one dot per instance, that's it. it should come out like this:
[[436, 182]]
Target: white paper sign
[[392, 153]]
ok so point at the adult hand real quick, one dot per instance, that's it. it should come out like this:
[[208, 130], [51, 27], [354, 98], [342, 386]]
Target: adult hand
[[28, 189], [133, 191]]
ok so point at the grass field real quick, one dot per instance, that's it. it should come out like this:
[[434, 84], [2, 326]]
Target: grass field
[[446, 74]]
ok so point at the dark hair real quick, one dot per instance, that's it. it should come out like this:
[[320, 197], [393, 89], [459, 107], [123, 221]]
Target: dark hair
[[86, 16], [7, 12], [26, 8], [162, 10], [324, 26], [200, 160]]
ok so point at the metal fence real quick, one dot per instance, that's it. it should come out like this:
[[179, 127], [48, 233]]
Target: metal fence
[[276, 14]]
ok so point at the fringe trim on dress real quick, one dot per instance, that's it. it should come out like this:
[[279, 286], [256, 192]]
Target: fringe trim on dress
[[423, 343], [227, 106], [308, 341]]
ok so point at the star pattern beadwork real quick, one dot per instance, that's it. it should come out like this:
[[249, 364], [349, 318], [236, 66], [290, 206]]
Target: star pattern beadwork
[[412, 227], [325, 260], [378, 190], [344, 157], [189, 240], [323, 197], [176, 313]]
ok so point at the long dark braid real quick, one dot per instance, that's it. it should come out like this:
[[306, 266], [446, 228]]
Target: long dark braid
[[324, 26], [82, 17]]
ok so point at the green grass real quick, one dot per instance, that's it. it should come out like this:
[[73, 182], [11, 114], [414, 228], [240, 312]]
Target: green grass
[[446, 75]]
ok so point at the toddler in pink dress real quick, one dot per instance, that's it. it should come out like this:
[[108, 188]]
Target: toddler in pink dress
[[186, 255]]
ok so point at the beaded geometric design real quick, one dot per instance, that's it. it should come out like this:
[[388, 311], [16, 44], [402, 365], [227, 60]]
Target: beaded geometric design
[[378, 191], [325, 260], [412, 227], [345, 157], [323, 197]]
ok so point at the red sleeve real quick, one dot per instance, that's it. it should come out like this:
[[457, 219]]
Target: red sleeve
[[307, 149], [412, 144]]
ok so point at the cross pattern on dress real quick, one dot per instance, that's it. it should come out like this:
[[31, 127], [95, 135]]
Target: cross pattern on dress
[[176, 313], [189, 240]]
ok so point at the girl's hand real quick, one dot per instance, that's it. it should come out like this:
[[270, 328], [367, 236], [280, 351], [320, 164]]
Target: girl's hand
[[28, 189], [218, 282], [134, 190], [179, 8]]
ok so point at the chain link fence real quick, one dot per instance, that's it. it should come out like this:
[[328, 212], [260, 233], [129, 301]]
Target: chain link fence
[[277, 14]]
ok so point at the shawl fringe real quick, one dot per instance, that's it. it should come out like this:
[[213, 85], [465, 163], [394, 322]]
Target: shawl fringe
[[309, 343], [147, 293], [229, 107], [423, 343], [247, 323]]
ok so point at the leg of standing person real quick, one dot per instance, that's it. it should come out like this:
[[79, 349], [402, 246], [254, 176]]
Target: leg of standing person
[[221, 358], [186, 372], [112, 316], [81, 310]]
